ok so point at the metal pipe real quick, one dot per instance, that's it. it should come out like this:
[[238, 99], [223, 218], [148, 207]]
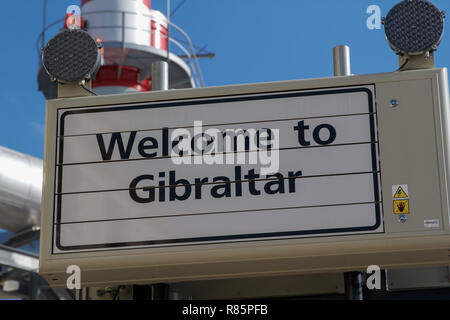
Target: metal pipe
[[20, 190], [168, 31], [353, 285], [160, 75], [18, 259], [342, 67], [341, 59], [44, 17], [160, 81]]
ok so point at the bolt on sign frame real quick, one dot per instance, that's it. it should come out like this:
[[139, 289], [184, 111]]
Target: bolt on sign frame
[[116, 204]]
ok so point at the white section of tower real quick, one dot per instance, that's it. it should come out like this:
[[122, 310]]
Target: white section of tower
[[129, 31], [118, 20]]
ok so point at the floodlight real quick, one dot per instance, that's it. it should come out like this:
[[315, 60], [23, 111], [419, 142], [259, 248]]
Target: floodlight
[[414, 27], [71, 56]]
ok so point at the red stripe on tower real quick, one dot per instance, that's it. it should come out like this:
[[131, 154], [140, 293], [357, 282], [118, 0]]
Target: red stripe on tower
[[83, 2], [147, 3], [107, 76]]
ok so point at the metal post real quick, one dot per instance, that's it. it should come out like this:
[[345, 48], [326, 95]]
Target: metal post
[[341, 58], [342, 67], [353, 285], [160, 81], [160, 75], [34, 285], [168, 30], [44, 24]]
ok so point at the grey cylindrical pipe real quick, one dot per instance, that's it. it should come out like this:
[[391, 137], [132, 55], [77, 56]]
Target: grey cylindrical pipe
[[160, 75], [353, 285], [160, 81], [20, 190], [341, 58], [342, 67]]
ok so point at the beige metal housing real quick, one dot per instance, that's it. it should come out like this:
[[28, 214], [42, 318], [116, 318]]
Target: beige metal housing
[[413, 132]]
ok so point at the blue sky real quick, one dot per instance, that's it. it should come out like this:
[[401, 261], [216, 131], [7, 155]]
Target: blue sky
[[254, 40]]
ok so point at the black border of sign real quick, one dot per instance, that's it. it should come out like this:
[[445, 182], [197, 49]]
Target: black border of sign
[[227, 238]]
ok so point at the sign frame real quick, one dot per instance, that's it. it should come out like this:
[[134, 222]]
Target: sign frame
[[63, 114], [402, 244]]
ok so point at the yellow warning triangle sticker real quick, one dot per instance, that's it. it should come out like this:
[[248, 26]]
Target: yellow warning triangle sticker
[[400, 193]]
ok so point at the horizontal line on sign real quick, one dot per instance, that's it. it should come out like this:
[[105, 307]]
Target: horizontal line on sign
[[218, 212], [221, 182], [223, 124], [268, 93], [145, 245], [219, 153]]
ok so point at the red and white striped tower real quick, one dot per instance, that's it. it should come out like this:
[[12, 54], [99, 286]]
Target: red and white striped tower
[[133, 36]]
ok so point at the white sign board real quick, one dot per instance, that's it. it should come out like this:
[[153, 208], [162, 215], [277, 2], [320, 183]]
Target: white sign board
[[146, 175]]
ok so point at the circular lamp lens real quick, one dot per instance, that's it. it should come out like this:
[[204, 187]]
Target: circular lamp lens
[[71, 56], [414, 27]]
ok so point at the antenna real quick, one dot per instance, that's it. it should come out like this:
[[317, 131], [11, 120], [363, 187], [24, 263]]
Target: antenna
[[44, 22]]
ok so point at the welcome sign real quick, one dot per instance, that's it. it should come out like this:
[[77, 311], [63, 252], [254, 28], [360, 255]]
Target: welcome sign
[[213, 170]]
